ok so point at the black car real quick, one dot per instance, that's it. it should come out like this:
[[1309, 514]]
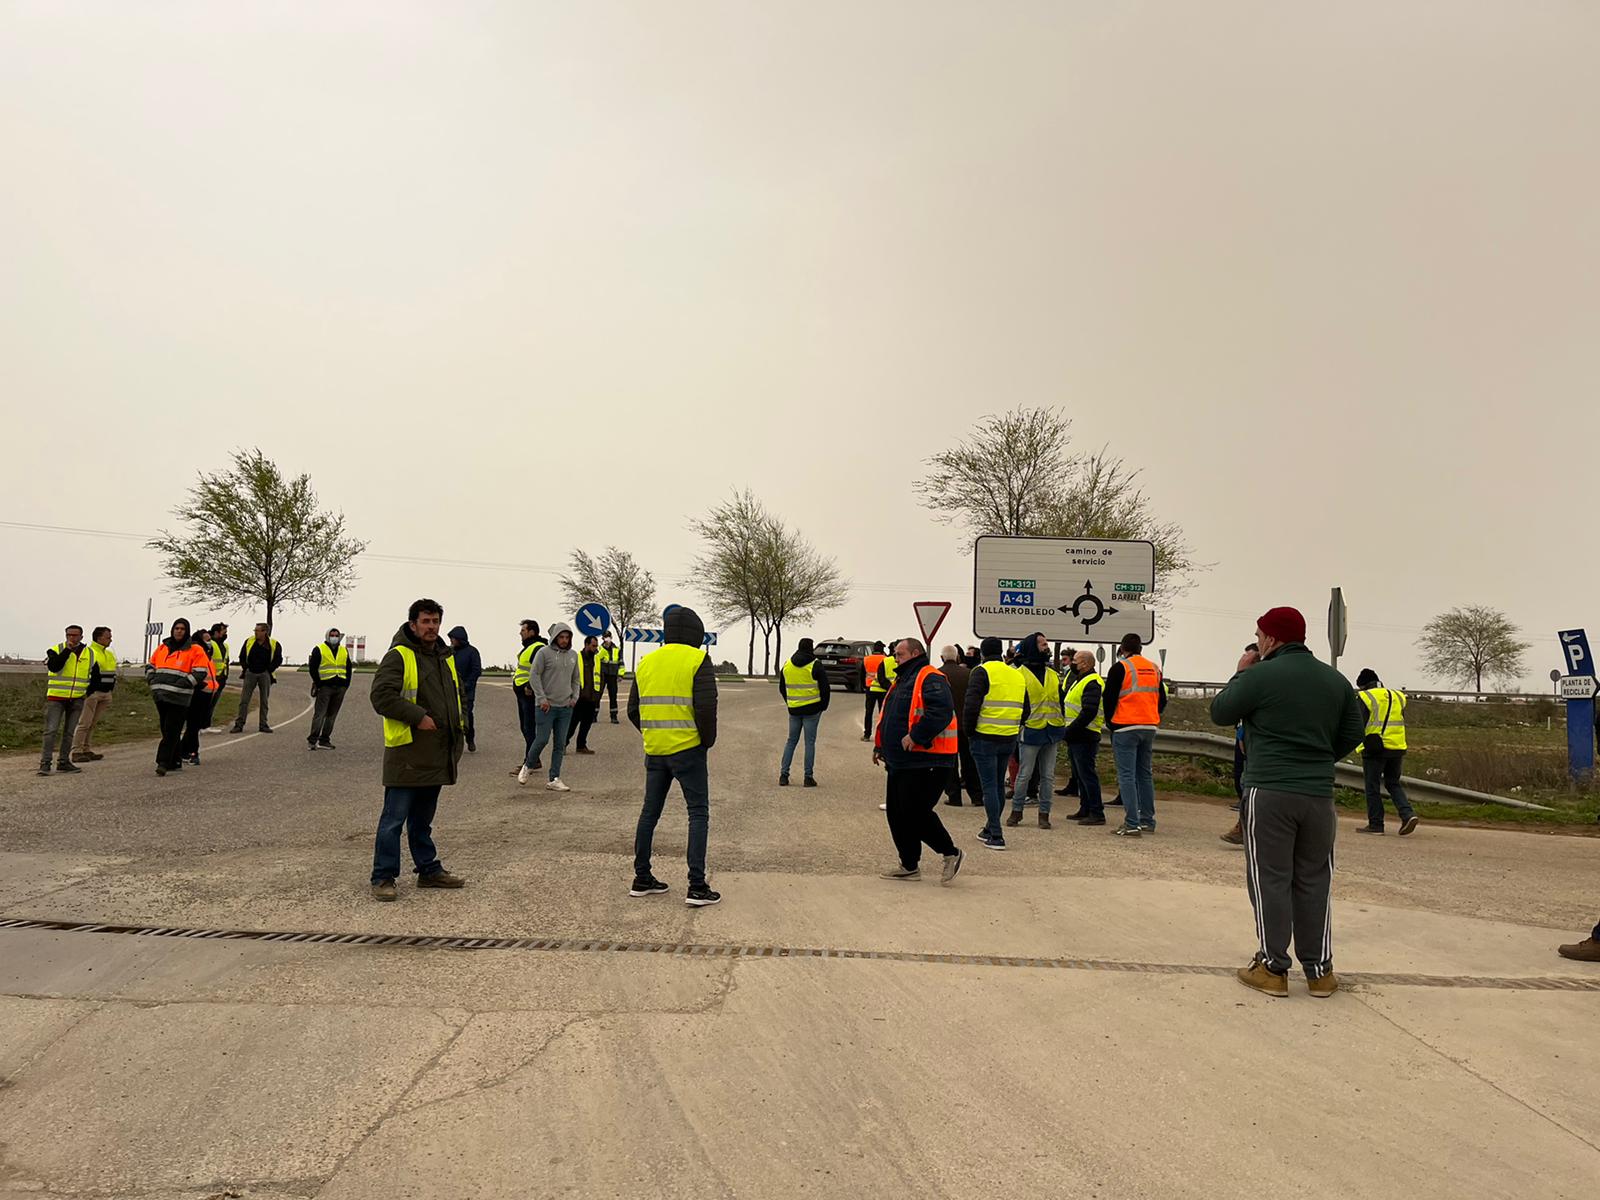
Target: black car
[[842, 661]]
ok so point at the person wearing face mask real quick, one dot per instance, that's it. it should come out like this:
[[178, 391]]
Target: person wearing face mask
[[553, 676], [177, 668], [328, 664], [1300, 717]]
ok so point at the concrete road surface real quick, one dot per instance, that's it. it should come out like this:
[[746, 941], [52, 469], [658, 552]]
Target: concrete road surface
[[1061, 1021]]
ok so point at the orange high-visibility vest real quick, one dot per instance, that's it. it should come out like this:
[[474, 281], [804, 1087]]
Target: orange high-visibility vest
[[947, 741], [1139, 702]]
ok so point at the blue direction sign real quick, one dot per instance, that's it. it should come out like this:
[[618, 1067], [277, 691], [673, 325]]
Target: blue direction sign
[[592, 620], [1575, 645]]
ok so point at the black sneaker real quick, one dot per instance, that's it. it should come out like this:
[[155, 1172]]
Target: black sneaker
[[1126, 830], [1408, 825], [700, 895], [325, 744], [67, 767], [648, 886], [311, 746], [810, 782], [993, 843], [1096, 819], [44, 768], [1150, 829], [783, 781], [1378, 829], [472, 746]]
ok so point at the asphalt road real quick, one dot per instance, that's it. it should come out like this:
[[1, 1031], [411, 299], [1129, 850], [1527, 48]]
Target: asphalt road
[[1059, 1021]]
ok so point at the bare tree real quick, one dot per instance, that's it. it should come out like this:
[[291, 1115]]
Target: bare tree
[[727, 572], [794, 583], [614, 579], [1466, 644], [250, 535]]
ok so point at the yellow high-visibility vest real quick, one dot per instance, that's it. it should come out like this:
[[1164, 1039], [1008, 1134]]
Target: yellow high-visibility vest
[[1072, 703], [398, 733], [1001, 714], [332, 662], [107, 662], [219, 656], [614, 655], [1386, 715], [664, 683], [800, 686], [524, 671], [1044, 699], [72, 681]]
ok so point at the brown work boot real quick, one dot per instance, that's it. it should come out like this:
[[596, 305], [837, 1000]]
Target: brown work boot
[[82, 756], [1234, 836], [384, 889], [1324, 987], [1587, 950], [1044, 820], [1015, 818], [441, 879], [1258, 977]]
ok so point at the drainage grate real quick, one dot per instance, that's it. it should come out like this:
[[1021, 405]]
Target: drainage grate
[[704, 950]]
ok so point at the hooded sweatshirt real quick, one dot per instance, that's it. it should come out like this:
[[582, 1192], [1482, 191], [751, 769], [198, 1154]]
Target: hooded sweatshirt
[[683, 627], [469, 663], [800, 658], [554, 674], [1035, 661]]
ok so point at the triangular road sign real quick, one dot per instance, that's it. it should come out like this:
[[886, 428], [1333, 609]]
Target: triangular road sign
[[930, 615]]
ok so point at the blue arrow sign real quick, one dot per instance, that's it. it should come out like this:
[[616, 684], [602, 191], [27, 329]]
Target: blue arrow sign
[[592, 620], [642, 635]]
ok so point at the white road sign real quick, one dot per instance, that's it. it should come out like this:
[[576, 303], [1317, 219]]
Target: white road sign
[[1070, 589], [1577, 687]]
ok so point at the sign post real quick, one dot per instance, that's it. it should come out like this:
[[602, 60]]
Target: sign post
[[1578, 689], [1338, 626], [1070, 589]]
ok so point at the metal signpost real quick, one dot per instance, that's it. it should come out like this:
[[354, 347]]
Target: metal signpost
[[1338, 626], [1069, 589], [1578, 689], [593, 620]]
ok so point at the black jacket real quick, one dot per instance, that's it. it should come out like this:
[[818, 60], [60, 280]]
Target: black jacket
[[1078, 731], [469, 663], [683, 627], [801, 658], [261, 656], [977, 689], [938, 708]]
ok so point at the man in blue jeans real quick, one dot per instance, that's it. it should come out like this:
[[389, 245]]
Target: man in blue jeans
[[1133, 700], [994, 712], [674, 706], [554, 677], [804, 688], [416, 692]]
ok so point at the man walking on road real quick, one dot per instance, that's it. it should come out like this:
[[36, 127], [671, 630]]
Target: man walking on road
[[1080, 706], [553, 675], [918, 742], [958, 673], [1133, 700], [674, 706], [804, 688], [469, 669], [416, 692], [102, 682], [1300, 718], [611, 670], [872, 686], [68, 667], [328, 665], [591, 682], [1041, 732], [997, 705], [1383, 752], [259, 660]]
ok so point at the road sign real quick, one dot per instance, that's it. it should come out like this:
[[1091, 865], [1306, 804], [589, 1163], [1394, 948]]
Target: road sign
[[1554, 674], [658, 637], [155, 628], [1069, 589], [592, 620], [930, 615], [1578, 687], [1575, 645], [1338, 625]]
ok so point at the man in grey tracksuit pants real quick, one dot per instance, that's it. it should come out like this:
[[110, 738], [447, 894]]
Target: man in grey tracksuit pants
[[1300, 717]]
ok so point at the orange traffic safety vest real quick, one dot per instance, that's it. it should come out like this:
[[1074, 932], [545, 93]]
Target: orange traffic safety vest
[[1139, 702], [870, 665], [948, 741]]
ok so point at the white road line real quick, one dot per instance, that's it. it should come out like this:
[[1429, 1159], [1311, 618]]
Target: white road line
[[213, 747]]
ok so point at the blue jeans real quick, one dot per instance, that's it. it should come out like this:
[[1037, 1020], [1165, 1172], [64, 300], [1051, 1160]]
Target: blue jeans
[[796, 724], [1045, 755], [413, 808], [1083, 766], [688, 767], [992, 759], [1132, 749], [549, 727]]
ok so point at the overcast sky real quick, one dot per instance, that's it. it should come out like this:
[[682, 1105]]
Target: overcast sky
[[509, 279]]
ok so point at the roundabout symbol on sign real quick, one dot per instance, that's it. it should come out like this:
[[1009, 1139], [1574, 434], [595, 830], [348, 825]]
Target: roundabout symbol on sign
[[1088, 603]]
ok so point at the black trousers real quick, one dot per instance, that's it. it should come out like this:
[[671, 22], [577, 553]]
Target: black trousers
[[1238, 769], [913, 801], [526, 710], [873, 700], [469, 704], [584, 715], [198, 718], [966, 779], [172, 717], [608, 684]]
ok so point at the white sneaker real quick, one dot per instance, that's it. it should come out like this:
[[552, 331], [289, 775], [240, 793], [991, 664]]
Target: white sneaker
[[555, 785], [522, 775]]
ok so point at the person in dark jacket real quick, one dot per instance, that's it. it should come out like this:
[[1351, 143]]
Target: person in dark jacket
[[469, 666], [966, 778], [1081, 707], [1133, 699], [991, 751], [329, 686], [591, 686], [904, 742], [1300, 718], [200, 706], [424, 735], [259, 659], [673, 752], [806, 704]]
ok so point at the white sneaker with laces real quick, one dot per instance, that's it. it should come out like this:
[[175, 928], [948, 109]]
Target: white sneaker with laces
[[555, 785], [522, 776]]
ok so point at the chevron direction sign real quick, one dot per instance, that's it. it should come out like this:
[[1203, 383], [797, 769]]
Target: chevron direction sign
[[658, 637]]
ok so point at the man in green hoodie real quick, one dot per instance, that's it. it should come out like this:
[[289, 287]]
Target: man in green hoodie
[[1300, 717]]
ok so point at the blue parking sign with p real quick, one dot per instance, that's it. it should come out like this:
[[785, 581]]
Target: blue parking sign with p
[[1575, 646]]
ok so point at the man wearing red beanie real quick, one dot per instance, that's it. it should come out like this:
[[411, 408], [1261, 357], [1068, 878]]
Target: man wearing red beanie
[[1300, 717]]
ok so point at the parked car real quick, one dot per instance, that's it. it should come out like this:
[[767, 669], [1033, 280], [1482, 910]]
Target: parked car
[[842, 661]]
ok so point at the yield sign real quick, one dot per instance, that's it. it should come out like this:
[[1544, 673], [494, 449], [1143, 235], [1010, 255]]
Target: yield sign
[[930, 615]]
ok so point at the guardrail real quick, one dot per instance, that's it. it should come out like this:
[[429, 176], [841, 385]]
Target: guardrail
[[1210, 745]]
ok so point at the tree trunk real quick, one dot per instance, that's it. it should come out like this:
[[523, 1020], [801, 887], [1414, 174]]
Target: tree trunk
[[750, 667], [778, 651]]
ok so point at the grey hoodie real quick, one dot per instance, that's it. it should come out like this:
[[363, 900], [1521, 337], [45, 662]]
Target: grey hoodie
[[554, 673]]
